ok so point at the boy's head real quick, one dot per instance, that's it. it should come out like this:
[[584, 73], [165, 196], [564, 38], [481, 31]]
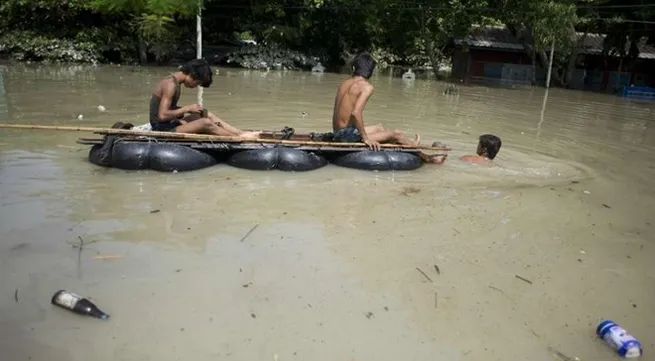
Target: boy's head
[[198, 73], [489, 145], [363, 65]]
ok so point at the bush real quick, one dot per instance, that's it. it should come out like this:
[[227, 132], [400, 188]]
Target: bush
[[25, 45]]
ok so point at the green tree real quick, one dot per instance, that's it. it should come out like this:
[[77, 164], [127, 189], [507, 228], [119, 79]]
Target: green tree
[[627, 23], [153, 21]]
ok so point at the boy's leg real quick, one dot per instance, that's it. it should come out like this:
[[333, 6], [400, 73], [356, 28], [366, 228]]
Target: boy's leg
[[394, 136], [234, 131], [374, 128], [202, 126]]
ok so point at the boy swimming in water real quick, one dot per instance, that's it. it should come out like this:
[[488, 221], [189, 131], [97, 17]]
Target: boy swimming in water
[[488, 147], [348, 114], [167, 116]]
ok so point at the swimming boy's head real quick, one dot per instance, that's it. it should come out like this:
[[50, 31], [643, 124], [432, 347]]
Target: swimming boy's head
[[198, 73], [363, 65], [489, 145]]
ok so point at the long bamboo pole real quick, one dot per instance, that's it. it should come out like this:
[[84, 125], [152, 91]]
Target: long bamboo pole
[[199, 43], [550, 64], [205, 137]]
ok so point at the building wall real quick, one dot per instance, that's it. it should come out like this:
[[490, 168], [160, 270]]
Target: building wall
[[498, 66], [601, 74], [494, 65]]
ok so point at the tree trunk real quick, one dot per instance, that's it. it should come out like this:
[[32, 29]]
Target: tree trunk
[[534, 69], [432, 55], [532, 52], [574, 57], [141, 44]]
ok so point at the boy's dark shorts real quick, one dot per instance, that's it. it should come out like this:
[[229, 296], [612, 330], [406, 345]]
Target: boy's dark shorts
[[165, 126], [347, 135]]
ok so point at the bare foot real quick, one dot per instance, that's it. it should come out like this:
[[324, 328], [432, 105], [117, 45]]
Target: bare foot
[[417, 140], [250, 135], [438, 144], [434, 158]]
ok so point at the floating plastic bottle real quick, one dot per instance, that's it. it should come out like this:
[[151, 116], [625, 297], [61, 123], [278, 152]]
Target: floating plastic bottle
[[77, 304], [619, 339]]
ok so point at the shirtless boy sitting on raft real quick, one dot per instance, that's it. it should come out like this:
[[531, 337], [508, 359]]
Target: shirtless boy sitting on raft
[[167, 116], [488, 147], [348, 116]]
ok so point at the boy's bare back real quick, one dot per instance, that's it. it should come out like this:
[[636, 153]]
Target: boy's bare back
[[346, 101]]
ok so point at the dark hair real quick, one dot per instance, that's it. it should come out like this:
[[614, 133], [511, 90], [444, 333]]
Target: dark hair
[[490, 145], [199, 70], [364, 65]]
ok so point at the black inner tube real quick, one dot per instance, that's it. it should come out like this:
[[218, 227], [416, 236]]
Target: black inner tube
[[282, 158], [381, 160]]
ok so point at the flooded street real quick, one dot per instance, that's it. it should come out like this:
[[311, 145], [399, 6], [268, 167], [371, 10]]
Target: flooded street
[[340, 263]]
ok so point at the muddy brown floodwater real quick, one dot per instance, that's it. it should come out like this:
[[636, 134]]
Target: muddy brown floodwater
[[331, 272]]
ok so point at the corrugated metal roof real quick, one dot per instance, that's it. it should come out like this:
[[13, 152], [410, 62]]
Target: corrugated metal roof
[[498, 37], [593, 44]]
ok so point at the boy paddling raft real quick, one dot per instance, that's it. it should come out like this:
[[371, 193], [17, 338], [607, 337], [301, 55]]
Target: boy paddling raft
[[348, 114]]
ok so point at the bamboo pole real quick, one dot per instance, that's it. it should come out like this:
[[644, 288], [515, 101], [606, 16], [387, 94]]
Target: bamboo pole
[[206, 137], [550, 64], [199, 44]]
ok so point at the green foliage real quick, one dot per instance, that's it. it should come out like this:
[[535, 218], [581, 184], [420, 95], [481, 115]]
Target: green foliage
[[24, 45], [626, 23], [153, 20], [416, 32], [159, 33], [184, 8]]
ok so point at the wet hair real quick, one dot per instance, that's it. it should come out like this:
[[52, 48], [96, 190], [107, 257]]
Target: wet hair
[[199, 70], [363, 65], [490, 145]]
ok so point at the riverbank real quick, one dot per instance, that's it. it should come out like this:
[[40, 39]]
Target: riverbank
[[233, 55]]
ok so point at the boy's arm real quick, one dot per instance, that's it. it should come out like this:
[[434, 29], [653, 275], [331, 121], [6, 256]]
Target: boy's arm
[[358, 112], [165, 113]]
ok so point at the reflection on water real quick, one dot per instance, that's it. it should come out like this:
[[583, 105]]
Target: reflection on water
[[575, 172], [4, 109]]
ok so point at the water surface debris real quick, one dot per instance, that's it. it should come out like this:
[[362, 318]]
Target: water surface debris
[[108, 256], [408, 191], [79, 254], [250, 231], [155, 211], [560, 356], [436, 268], [523, 279], [16, 295], [606, 206], [425, 275]]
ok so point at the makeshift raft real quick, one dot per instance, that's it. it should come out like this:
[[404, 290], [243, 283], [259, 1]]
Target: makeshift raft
[[283, 150]]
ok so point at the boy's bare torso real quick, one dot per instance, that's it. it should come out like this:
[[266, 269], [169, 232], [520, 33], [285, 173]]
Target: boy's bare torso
[[345, 101]]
